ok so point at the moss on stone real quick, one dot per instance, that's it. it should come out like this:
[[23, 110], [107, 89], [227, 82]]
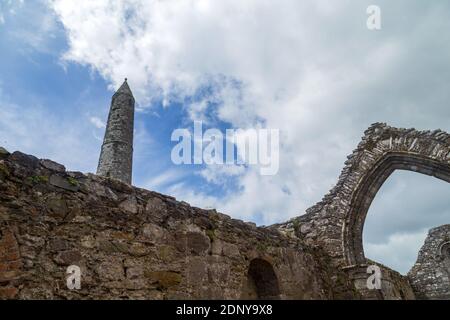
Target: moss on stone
[[4, 172], [37, 179], [296, 225], [211, 233], [73, 181], [262, 246]]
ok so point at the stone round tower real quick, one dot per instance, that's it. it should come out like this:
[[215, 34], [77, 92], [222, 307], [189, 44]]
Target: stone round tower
[[116, 157]]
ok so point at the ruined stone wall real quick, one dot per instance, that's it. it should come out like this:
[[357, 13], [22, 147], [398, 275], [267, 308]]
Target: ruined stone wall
[[430, 275], [394, 286], [336, 223], [132, 243]]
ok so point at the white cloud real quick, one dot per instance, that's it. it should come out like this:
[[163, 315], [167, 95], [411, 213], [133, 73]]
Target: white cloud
[[30, 27], [398, 250], [97, 122], [197, 111], [165, 178], [407, 205], [218, 174], [183, 191], [39, 131], [262, 59]]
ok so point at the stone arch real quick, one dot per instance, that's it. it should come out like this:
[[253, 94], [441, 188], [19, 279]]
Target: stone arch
[[368, 187], [261, 282], [336, 222]]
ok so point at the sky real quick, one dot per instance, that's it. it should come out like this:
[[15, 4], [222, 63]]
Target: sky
[[311, 69]]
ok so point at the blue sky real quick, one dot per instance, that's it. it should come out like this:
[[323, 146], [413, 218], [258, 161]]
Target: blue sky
[[310, 69]]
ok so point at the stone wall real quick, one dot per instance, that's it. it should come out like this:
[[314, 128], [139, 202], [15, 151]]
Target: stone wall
[[336, 223], [430, 275], [132, 243], [394, 286]]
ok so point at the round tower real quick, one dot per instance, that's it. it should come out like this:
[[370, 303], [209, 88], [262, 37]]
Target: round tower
[[116, 157]]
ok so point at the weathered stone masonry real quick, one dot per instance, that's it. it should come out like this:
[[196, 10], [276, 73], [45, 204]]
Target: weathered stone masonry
[[430, 275], [132, 243], [136, 244], [336, 223]]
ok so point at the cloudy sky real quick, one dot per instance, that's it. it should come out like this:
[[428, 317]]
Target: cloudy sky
[[309, 68]]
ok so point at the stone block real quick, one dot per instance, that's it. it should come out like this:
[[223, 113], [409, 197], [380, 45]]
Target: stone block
[[69, 184], [164, 279], [67, 258], [52, 165]]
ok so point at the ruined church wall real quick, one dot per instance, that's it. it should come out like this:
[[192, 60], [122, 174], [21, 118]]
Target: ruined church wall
[[336, 222], [430, 275], [132, 243]]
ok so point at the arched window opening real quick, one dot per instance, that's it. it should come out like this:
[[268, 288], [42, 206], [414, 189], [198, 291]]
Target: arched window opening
[[262, 282], [368, 187], [405, 208]]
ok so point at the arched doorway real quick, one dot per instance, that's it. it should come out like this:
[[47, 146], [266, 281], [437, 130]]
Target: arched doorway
[[367, 189], [336, 222], [407, 206], [261, 282]]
